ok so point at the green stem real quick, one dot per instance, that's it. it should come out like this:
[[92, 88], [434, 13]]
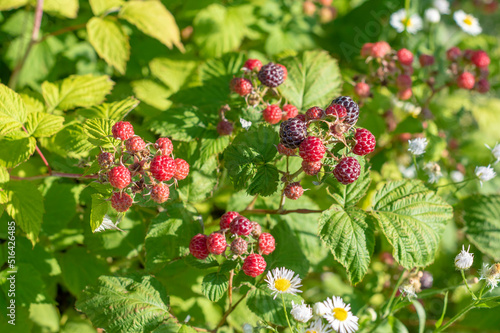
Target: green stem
[[286, 314], [467, 285], [457, 316], [388, 310], [482, 290]]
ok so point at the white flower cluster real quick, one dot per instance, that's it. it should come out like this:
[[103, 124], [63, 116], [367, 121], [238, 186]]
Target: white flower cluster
[[489, 273]]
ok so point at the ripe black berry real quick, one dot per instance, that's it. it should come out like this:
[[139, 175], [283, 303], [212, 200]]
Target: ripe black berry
[[271, 75], [292, 132], [351, 107]]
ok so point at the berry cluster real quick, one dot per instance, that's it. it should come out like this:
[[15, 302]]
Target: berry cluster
[[134, 168], [313, 133], [246, 238], [467, 69]]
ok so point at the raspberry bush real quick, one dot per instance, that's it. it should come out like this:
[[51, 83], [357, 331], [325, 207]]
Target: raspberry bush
[[272, 166]]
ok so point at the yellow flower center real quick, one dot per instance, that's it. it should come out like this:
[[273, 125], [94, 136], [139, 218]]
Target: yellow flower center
[[468, 20], [340, 314], [311, 331], [282, 284], [406, 22]]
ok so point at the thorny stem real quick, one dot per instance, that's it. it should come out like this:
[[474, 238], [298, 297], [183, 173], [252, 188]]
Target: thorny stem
[[33, 40]]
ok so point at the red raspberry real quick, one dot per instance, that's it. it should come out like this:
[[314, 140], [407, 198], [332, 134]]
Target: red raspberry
[[254, 265], [285, 71], [311, 168], [294, 191], [241, 86], [453, 53], [253, 64], [483, 86], [135, 144], [162, 168], [286, 151], [312, 149], [164, 146], [365, 142], [121, 202], [290, 111], [256, 230], [272, 114], [225, 127], [226, 219], [362, 89], [106, 160], [405, 57], [405, 94], [267, 244], [403, 82], [347, 171], [301, 117], [380, 49], [122, 130], [241, 226], [480, 59], [337, 110], [216, 243], [426, 60], [351, 107], [466, 80], [119, 177], [198, 246], [160, 193], [181, 169], [271, 75], [366, 50], [239, 246], [308, 7], [315, 113]]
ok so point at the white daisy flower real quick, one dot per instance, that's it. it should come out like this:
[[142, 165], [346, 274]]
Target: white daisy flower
[[457, 176], [340, 316], [301, 312], [432, 15], [467, 22], [433, 170], [495, 151], [317, 327], [283, 281], [491, 274], [443, 6], [319, 309], [464, 259], [408, 290], [485, 173], [417, 146], [401, 22]]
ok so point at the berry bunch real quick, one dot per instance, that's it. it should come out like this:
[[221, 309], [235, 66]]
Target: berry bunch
[[469, 69], [315, 133], [238, 238], [133, 167]]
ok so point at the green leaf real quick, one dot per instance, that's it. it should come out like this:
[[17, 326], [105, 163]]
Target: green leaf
[[219, 29], [13, 112], [11, 4], [482, 225], [262, 303], [153, 19], [439, 322], [183, 124], [41, 124], [172, 72], [152, 93], [209, 262], [25, 206], [197, 187], [349, 234], [131, 304], [214, 286], [349, 195], [76, 91], [16, 149], [67, 9], [70, 141], [101, 6], [4, 175], [99, 208], [109, 40], [265, 181], [30, 287], [114, 111], [211, 147], [99, 132], [313, 80], [421, 315], [412, 218], [80, 269]]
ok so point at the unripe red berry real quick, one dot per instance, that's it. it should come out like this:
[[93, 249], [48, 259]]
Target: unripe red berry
[[241, 226], [272, 114], [347, 171], [106, 160], [480, 59], [403, 82], [216, 243], [466, 81], [366, 50], [290, 111], [380, 49], [336, 110], [453, 53], [256, 230], [121, 201], [181, 169], [405, 57], [253, 65], [122, 130], [160, 193], [311, 168], [239, 246], [294, 191], [426, 60], [198, 246], [241, 86], [309, 8], [135, 144], [315, 113], [162, 168], [312, 149], [227, 218], [286, 151], [254, 265], [119, 177], [483, 86], [362, 89], [267, 244], [365, 142], [164, 146], [225, 127], [405, 94]]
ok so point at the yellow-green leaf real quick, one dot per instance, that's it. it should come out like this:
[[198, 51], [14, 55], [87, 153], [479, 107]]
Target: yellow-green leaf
[[64, 8], [41, 124], [110, 41], [11, 4], [101, 6], [115, 111], [12, 110], [16, 149], [152, 18]]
